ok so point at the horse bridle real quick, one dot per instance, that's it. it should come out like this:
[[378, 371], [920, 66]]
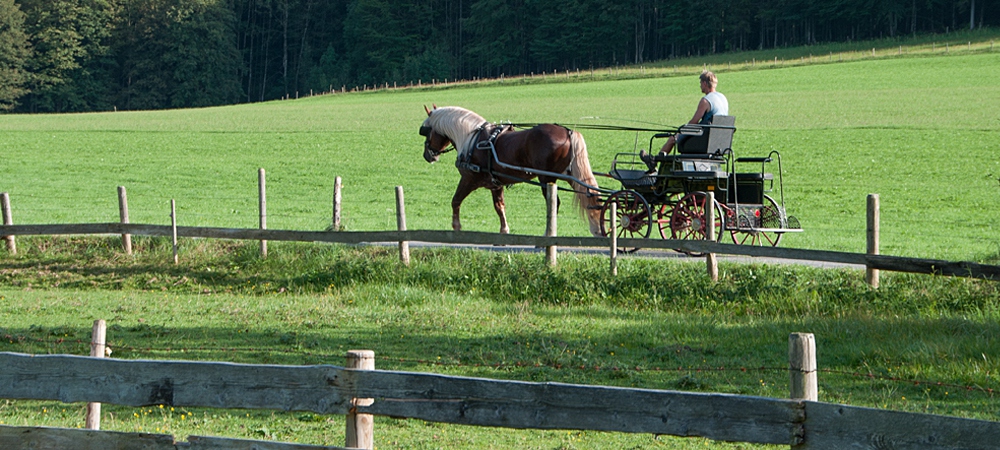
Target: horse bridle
[[425, 131]]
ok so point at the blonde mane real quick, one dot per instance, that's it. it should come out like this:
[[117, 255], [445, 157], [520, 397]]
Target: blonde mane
[[459, 124]]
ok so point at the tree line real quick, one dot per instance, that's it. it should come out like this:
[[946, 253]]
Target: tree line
[[99, 55]]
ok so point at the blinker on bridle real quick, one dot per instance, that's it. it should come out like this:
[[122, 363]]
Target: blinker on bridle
[[425, 131]]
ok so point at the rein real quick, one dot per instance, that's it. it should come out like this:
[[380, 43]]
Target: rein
[[446, 150], [586, 126]]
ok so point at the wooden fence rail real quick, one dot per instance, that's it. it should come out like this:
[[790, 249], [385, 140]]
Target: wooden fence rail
[[327, 389], [882, 262], [76, 439]]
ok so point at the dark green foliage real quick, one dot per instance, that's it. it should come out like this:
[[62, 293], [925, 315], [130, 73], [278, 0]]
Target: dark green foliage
[[14, 50], [68, 67], [203, 57], [176, 54], [330, 73], [88, 55]]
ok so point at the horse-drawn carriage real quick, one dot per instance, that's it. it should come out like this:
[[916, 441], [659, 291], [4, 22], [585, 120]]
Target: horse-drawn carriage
[[673, 197]]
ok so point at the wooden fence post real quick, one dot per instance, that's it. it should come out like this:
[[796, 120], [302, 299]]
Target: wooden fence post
[[404, 246], [802, 366], [337, 186], [98, 344], [360, 427], [613, 234], [123, 214], [872, 275], [262, 194], [8, 219], [173, 227], [552, 207], [712, 264]]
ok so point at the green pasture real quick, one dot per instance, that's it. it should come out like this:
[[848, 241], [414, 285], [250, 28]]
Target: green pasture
[[919, 343], [920, 132]]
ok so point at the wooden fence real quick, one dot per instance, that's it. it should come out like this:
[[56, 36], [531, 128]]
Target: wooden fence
[[327, 389], [872, 260], [881, 262]]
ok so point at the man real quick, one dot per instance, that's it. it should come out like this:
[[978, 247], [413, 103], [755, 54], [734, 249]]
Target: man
[[712, 104]]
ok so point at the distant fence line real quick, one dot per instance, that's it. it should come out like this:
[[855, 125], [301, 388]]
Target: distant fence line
[[644, 71], [359, 391]]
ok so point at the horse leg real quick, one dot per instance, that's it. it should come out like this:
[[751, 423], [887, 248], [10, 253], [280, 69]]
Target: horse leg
[[465, 187], [498, 205]]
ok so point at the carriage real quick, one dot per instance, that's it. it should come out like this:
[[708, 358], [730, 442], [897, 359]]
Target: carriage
[[672, 200], [673, 197]]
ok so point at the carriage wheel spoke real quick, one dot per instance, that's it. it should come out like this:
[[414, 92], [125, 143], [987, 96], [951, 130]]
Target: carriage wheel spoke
[[687, 219], [632, 216]]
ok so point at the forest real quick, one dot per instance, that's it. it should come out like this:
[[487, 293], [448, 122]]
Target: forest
[[101, 55]]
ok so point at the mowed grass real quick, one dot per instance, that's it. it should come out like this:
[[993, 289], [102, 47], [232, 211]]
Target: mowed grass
[[920, 132], [920, 343]]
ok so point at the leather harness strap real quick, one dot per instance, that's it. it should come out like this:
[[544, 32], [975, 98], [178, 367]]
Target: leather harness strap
[[488, 144]]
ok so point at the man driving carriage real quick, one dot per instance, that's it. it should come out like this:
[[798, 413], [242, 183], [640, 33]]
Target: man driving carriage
[[712, 104]]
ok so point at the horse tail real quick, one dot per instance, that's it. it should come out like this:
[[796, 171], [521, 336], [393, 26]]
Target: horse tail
[[586, 199]]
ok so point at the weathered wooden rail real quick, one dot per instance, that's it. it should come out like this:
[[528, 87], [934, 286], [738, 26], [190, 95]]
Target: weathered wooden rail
[[881, 262], [328, 389], [76, 439]]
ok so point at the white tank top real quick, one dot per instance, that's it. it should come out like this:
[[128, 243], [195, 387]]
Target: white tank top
[[718, 104]]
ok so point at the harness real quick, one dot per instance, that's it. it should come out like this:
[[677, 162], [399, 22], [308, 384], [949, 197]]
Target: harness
[[488, 144]]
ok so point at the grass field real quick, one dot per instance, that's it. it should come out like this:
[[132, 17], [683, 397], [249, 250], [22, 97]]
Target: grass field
[[919, 130], [506, 316]]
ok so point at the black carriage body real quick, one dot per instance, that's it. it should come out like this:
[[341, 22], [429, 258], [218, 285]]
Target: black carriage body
[[705, 162]]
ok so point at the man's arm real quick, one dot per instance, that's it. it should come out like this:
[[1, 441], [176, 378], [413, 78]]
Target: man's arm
[[703, 107]]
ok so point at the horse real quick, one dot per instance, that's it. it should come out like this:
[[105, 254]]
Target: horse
[[551, 148]]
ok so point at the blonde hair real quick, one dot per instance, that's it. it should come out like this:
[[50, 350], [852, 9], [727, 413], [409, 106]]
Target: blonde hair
[[709, 77]]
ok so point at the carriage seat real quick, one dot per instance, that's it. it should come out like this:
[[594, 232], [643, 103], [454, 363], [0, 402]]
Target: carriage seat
[[707, 139], [632, 179]]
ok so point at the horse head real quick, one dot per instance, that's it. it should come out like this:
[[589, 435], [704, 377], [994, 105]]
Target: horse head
[[434, 143]]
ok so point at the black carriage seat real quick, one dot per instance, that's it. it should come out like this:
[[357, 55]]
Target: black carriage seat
[[633, 179], [708, 139]]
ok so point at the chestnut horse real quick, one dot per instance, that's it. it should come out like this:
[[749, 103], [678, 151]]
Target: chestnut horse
[[550, 148]]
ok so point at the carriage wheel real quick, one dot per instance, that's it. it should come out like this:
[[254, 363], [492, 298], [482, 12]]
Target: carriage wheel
[[687, 219], [633, 217], [663, 213], [770, 217]]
